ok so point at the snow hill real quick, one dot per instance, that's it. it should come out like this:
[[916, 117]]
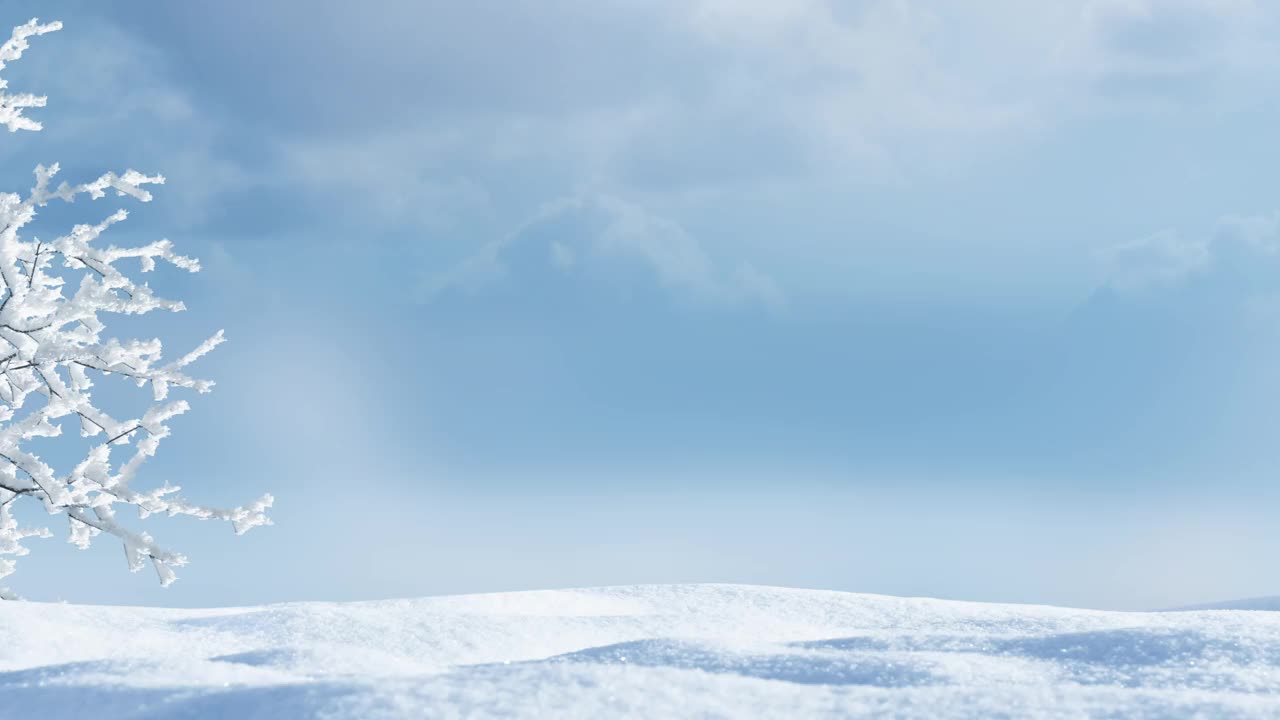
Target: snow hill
[[649, 651]]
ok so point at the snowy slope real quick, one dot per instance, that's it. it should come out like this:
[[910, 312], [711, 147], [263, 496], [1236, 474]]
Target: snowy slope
[[650, 651]]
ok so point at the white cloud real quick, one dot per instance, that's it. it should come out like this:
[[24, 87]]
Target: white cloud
[[591, 235], [1258, 232], [1160, 259], [1176, 53], [396, 178], [1168, 258], [892, 72], [686, 108], [721, 94], [562, 256]]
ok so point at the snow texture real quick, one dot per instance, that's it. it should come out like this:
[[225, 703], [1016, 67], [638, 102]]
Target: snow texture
[[647, 651]]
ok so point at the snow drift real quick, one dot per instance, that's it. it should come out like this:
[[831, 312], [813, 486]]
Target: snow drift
[[648, 651]]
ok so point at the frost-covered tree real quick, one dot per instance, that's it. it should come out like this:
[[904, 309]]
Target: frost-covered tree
[[52, 346]]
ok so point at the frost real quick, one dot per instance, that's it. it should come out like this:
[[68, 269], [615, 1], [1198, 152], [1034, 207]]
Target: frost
[[11, 106], [54, 296]]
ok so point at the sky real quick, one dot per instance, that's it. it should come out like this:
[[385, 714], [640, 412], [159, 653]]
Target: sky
[[967, 300]]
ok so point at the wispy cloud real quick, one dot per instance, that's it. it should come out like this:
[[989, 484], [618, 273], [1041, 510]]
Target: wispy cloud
[[1160, 259], [604, 236], [627, 92], [683, 108], [1238, 243]]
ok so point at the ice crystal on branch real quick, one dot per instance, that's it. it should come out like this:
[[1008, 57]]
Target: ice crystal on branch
[[11, 106], [52, 345]]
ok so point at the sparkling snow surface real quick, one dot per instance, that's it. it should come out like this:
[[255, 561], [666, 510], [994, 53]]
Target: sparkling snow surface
[[650, 651]]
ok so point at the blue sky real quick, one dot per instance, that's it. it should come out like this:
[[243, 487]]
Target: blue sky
[[971, 300]]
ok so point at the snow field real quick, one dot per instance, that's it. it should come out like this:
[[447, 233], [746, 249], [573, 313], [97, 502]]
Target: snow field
[[644, 651]]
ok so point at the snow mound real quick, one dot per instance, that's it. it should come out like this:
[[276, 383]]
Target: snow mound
[[647, 651]]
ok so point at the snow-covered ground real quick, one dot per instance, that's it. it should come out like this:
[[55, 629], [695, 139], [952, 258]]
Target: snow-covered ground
[[649, 651]]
